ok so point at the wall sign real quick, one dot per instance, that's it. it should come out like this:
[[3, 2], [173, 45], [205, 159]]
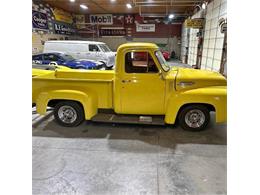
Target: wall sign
[[194, 23], [101, 19], [62, 16], [112, 32], [80, 21], [145, 27], [129, 19], [63, 29], [39, 20]]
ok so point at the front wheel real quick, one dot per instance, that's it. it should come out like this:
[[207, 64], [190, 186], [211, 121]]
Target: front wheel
[[69, 113], [194, 117]]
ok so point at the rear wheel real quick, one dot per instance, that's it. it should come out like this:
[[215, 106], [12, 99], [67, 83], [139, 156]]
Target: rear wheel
[[69, 113], [194, 117]]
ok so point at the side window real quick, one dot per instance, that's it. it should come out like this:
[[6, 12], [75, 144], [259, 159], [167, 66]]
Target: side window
[[139, 62], [93, 48], [50, 57]]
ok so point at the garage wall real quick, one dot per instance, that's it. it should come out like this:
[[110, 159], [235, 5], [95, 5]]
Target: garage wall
[[193, 42], [38, 40], [113, 42], [39, 36], [213, 38], [184, 42]]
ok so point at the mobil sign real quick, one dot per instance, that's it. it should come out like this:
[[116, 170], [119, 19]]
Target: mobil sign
[[101, 19]]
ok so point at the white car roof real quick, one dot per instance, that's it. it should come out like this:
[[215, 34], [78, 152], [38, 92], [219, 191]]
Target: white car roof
[[75, 41]]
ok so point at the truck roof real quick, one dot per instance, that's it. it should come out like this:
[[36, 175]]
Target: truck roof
[[138, 45], [74, 41]]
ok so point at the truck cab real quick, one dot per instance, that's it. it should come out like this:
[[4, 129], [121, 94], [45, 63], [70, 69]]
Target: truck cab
[[143, 88]]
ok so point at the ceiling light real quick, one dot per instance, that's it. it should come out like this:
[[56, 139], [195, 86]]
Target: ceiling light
[[171, 16], [128, 5], [83, 6], [72, 0], [203, 5], [112, 0]]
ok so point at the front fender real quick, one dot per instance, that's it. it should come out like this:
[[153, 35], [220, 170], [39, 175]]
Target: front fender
[[215, 96], [88, 101]]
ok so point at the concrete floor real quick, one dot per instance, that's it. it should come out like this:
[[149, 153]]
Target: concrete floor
[[98, 158]]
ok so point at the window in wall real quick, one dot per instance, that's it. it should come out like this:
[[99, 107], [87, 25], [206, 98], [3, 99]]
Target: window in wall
[[139, 62]]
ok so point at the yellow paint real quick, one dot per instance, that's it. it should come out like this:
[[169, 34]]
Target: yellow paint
[[62, 16], [161, 93], [38, 72]]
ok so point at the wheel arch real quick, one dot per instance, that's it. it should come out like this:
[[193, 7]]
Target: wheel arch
[[214, 98], [171, 118], [210, 107], [51, 98]]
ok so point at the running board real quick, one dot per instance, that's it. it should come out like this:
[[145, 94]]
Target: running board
[[128, 119]]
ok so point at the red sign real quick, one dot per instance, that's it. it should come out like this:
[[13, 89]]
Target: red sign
[[129, 19]]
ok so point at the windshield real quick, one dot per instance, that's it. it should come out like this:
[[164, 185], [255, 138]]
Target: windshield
[[104, 48], [67, 57], [162, 61]]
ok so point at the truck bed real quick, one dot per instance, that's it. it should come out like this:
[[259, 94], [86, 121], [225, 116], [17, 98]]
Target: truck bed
[[98, 82]]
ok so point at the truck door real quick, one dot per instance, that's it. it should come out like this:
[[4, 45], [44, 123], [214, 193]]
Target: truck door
[[142, 88]]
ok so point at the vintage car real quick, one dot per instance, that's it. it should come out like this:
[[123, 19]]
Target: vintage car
[[166, 54], [142, 89], [58, 58], [91, 50]]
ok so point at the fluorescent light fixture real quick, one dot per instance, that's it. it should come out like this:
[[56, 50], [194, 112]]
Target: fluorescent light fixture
[[112, 0], [203, 5], [171, 16], [83, 6], [128, 5], [72, 0]]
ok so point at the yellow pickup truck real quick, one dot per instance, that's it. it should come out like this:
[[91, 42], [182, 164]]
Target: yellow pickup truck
[[143, 88]]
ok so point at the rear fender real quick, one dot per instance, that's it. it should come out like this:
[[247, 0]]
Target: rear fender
[[214, 96], [88, 101]]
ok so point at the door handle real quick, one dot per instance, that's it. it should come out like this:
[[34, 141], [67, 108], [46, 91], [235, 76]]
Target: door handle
[[126, 81]]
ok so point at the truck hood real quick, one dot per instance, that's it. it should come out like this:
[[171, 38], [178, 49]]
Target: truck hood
[[187, 78]]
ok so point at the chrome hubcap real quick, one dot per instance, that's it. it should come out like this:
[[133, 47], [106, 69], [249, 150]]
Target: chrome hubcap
[[67, 114], [195, 118]]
